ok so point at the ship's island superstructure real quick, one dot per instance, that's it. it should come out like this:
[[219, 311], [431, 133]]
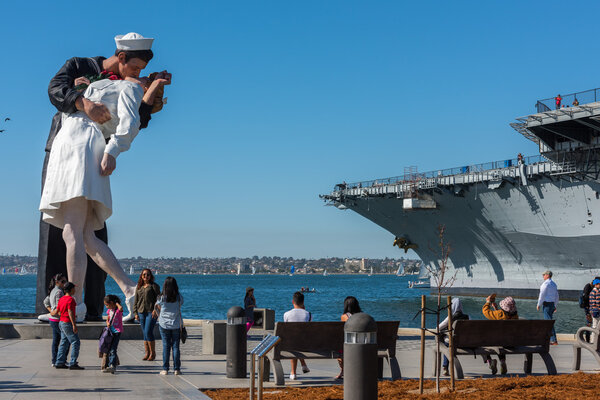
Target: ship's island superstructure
[[506, 221]]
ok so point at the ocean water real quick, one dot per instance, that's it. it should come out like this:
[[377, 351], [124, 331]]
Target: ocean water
[[385, 297]]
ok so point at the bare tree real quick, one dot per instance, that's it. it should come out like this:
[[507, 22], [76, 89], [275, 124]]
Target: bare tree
[[440, 279]]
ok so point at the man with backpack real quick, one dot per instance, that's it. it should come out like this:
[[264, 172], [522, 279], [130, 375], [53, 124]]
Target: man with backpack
[[584, 302], [595, 305]]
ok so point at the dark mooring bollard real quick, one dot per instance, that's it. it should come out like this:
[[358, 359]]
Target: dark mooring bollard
[[360, 358], [236, 343]]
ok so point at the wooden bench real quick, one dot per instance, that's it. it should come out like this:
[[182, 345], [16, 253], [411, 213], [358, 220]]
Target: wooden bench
[[318, 340], [580, 343], [485, 337]]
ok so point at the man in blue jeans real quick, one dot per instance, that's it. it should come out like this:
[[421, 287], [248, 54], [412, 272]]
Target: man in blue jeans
[[548, 300]]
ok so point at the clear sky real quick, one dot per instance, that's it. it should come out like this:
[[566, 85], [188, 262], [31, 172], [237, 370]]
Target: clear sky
[[274, 102]]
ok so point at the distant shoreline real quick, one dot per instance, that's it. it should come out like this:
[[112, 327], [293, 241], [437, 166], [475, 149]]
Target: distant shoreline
[[246, 274]]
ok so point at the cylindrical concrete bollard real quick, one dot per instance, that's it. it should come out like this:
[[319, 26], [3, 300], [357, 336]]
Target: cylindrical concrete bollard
[[236, 343], [360, 358]]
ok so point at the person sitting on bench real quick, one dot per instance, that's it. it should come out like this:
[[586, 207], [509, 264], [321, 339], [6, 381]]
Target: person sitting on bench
[[297, 314], [508, 310], [457, 313]]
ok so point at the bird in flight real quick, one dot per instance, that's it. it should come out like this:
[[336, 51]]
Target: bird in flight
[[6, 119]]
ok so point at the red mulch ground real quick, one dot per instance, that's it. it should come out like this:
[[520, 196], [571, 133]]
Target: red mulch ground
[[560, 387]]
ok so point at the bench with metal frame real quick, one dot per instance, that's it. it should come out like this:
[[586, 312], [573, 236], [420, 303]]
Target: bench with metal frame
[[318, 340], [490, 337]]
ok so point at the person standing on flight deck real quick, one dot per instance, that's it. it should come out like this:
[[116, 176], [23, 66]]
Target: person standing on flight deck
[[548, 300]]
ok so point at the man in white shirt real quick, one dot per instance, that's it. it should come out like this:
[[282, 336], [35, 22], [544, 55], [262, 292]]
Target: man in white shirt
[[548, 300], [297, 314]]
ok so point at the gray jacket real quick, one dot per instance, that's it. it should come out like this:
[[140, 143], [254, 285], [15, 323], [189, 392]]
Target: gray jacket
[[52, 299]]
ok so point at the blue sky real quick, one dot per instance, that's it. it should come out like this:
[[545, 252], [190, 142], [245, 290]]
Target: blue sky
[[274, 102]]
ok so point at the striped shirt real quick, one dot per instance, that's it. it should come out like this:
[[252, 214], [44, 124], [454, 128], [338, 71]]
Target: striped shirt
[[595, 300]]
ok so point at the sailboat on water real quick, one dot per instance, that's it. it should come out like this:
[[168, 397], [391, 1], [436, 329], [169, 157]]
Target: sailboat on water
[[400, 271], [324, 272], [239, 269], [131, 272], [292, 270], [253, 270], [424, 279], [371, 272]]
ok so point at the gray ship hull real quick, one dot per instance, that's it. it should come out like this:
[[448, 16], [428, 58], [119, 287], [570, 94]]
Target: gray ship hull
[[502, 238]]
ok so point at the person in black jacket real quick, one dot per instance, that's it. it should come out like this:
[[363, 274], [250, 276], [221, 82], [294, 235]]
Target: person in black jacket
[[67, 99]]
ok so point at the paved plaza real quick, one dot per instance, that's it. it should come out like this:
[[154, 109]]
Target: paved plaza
[[25, 371]]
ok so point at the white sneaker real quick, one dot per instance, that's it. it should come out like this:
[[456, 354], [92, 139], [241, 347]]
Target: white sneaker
[[129, 302], [80, 312], [292, 377], [177, 372], [164, 372], [44, 317]]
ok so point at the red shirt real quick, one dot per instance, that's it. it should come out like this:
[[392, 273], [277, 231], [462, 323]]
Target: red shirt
[[65, 304]]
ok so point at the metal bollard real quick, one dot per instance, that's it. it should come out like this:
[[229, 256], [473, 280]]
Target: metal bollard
[[236, 343], [360, 358]]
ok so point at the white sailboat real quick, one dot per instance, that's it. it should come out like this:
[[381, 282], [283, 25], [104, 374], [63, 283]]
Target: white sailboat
[[253, 270], [400, 271], [324, 272], [131, 272], [239, 269], [371, 272], [424, 279]]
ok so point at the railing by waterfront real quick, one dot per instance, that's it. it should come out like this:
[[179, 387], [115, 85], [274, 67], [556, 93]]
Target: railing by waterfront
[[415, 177], [568, 100]]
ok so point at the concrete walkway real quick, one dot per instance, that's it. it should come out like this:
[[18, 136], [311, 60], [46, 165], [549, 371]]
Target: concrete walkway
[[25, 371]]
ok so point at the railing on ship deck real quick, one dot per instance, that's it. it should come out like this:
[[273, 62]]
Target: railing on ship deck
[[417, 176], [585, 97]]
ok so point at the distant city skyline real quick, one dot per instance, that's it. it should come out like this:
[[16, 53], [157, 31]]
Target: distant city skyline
[[273, 103]]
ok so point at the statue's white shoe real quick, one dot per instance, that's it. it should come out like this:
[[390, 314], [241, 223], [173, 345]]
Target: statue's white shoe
[[44, 317], [129, 301], [80, 312]]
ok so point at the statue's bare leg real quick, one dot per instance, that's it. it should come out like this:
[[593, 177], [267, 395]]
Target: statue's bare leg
[[104, 257], [75, 214]]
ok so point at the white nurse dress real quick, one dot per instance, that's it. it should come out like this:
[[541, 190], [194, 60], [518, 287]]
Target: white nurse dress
[[74, 163]]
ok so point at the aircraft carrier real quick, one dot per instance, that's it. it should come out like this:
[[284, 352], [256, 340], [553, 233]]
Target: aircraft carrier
[[506, 221]]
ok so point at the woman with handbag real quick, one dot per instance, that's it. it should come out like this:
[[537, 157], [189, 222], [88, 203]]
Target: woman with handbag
[[146, 294], [170, 323]]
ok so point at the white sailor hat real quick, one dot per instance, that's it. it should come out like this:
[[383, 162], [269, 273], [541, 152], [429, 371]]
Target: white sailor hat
[[133, 41]]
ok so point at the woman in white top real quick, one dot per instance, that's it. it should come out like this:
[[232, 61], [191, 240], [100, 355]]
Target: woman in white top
[[76, 196]]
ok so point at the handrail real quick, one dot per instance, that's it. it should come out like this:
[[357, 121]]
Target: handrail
[[587, 96], [418, 176]]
